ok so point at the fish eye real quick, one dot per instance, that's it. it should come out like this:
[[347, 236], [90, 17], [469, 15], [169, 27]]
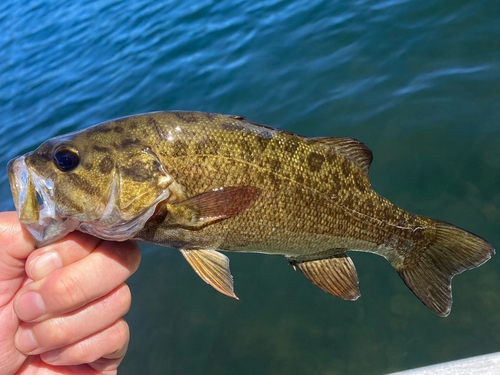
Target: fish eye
[[66, 158]]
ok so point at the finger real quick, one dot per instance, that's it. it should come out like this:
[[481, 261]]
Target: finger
[[60, 331], [109, 344], [71, 287], [35, 366], [70, 249]]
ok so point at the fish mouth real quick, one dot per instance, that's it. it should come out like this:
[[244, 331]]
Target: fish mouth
[[41, 220]]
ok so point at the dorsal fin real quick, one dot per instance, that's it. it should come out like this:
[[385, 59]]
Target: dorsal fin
[[352, 149]]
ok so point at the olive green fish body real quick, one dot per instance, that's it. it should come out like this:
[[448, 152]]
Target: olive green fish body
[[314, 201], [203, 182]]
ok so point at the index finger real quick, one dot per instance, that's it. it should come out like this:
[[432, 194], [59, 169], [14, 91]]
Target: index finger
[[79, 283]]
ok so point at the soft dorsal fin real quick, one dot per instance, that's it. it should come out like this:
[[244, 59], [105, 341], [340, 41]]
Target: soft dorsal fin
[[352, 149]]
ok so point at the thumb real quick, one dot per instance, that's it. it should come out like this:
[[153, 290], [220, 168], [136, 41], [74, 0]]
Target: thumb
[[15, 245]]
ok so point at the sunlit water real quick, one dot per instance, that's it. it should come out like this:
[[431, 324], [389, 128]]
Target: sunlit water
[[417, 81]]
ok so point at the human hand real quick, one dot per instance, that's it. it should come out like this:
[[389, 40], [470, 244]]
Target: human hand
[[61, 306]]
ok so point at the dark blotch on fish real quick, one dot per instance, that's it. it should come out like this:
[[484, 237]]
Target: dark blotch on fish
[[315, 161], [101, 149], [106, 165], [130, 142]]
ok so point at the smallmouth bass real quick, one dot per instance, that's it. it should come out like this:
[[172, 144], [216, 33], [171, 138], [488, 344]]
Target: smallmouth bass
[[202, 182]]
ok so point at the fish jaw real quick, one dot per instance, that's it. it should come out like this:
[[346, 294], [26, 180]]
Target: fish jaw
[[42, 221]]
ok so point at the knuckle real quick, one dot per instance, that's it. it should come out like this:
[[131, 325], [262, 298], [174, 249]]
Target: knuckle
[[110, 343], [85, 351], [126, 253], [124, 297], [119, 334], [59, 334], [51, 334], [68, 290]]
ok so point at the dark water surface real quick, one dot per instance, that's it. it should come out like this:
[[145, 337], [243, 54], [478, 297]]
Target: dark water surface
[[417, 81]]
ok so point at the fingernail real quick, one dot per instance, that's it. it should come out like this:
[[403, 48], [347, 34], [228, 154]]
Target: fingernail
[[45, 264], [30, 306], [51, 356], [25, 341]]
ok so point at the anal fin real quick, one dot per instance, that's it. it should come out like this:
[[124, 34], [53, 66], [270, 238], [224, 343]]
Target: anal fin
[[336, 275], [213, 268]]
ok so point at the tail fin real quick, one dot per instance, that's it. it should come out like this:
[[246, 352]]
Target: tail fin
[[428, 272]]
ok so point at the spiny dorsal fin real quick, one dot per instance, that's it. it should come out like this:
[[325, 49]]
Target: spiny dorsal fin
[[352, 149], [211, 206], [335, 275], [213, 268]]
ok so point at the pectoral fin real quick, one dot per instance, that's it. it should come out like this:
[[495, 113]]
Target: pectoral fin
[[335, 275], [213, 205], [213, 268]]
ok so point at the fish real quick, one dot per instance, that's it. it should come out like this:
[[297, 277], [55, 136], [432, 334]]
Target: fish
[[204, 183]]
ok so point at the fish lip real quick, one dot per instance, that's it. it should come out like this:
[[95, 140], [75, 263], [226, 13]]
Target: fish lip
[[43, 222], [23, 190], [18, 180]]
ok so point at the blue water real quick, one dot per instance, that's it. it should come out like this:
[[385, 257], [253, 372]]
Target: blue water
[[417, 81]]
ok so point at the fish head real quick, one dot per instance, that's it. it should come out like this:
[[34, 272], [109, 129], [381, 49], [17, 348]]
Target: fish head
[[97, 181]]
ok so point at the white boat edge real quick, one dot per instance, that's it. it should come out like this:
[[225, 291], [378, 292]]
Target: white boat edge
[[488, 364]]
